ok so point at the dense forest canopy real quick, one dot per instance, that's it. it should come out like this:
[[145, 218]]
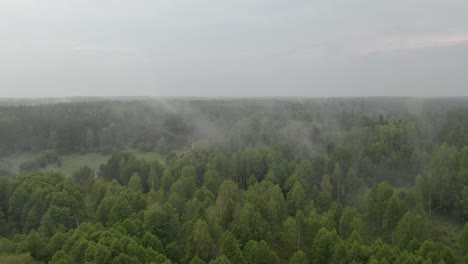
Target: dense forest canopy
[[358, 180]]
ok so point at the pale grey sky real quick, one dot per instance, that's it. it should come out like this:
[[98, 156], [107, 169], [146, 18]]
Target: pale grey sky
[[233, 48]]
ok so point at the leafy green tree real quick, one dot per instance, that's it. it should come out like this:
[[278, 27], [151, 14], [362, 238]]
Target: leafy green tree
[[34, 243], [197, 260], [124, 259], [296, 198], [410, 227], [338, 179], [378, 201], [104, 209], [83, 178], [135, 183], [291, 236], [230, 248], [343, 156], [154, 175], [183, 189], [259, 253], [60, 257], [78, 250], [250, 225], [221, 260], [463, 240], [394, 212], [439, 187], [101, 254], [162, 222], [174, 251], [299, 258], [167, 180], [322, 249], [120, 211], [436, 252], [151, 241], [349, 222], [212, 180], [200, 242], [7, 246], [228, 194], [464, 202], [355, 189]]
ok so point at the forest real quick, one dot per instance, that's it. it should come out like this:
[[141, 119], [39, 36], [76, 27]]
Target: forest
[[240, 181]]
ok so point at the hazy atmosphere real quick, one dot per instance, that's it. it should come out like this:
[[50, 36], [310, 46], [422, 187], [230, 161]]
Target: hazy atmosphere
[[52, 48], [233, 132]]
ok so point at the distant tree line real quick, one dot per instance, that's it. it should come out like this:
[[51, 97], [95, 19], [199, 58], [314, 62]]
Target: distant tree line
[[108, 125]]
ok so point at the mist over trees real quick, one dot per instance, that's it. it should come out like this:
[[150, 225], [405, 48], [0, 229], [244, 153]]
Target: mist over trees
[[363, 180]]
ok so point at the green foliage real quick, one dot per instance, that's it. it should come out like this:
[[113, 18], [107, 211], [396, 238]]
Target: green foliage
[[350, 222], [410, 227], [393, 213], [463, 240], [299, 258], [162, 222], [322, 249], [83, 178], [221, 260], [379, 198], [200, 244], [151, 241], [334, 192], [259, 253], [231, 250], [135, 183], [17, 259]]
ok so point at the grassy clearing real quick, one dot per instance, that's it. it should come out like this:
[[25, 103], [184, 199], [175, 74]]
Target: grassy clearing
[[13, 162], [73, 162]]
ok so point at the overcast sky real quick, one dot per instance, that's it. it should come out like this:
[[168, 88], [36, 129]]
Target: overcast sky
[[233, 48]]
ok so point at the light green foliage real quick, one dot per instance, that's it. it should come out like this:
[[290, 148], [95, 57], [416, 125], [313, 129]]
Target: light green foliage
[[18, 259], [249, 224], [411, 226], [231, 250], [463, 240], [393, 213], [299, 258], [291, 236], [200, 242], [135, 183], [378, 201], [197, 260], [120, 210], [259, 253], [221, 260], [296, 198], [151, 241], [322, 249], [436, 252], [163, 223], [349, 222]]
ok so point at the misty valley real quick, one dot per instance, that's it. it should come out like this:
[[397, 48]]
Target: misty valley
[[234, 181]]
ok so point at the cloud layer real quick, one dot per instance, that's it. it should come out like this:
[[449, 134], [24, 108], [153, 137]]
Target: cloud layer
[[233, 48]]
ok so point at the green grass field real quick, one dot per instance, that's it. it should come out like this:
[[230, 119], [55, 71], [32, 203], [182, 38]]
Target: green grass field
[[73, 162]]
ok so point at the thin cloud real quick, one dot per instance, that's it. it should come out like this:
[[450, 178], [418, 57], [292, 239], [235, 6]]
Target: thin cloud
[[418, 42], [103, 49]]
